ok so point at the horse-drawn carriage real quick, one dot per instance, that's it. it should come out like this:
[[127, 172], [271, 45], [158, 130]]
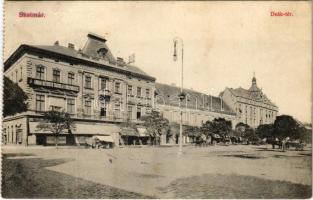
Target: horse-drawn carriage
[[97, 142], [299, 146], [204, 140], [286, 144]]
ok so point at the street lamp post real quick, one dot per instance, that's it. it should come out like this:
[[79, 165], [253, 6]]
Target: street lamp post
[[181, 95]]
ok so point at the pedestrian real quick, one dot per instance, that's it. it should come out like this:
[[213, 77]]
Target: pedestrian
[[283, 144]]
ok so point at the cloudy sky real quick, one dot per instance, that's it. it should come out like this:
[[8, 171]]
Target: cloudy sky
[[224, 42]]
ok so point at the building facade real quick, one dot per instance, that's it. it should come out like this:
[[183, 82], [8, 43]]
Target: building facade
[[252, 106], [197, 107], [97, 89]]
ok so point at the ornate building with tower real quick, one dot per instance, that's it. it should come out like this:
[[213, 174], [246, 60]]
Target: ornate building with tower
[[252, 106]]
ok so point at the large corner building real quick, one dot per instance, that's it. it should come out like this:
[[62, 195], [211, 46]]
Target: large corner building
[[97, 89]]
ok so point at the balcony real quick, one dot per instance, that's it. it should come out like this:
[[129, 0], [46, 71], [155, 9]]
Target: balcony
[[105, 92], [51, 84]]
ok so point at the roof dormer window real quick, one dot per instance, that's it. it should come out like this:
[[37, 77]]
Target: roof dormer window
[[102, 52]]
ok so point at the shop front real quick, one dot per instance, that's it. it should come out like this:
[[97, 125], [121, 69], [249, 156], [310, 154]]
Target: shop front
[[134, 136], [78, 136]]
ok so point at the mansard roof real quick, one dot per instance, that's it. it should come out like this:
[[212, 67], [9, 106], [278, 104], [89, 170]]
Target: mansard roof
[[85, 56], [168, 95]]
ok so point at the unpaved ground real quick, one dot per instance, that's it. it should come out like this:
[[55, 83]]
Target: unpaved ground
[[236, 171]]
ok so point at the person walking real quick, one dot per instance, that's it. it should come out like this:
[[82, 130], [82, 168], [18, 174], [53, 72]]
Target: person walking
[[283, 145]]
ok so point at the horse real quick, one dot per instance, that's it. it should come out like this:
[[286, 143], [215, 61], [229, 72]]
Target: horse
[[275, 142]]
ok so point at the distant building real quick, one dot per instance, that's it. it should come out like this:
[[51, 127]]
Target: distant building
[[97, 89], [197, 107], [252, 106]]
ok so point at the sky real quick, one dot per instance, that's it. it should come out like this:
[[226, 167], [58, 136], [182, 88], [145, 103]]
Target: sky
[[224, 42]]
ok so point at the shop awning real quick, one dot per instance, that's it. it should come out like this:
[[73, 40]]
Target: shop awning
[[126, 131], [96, 129], [105, 138], [85, 129], [34, 129]]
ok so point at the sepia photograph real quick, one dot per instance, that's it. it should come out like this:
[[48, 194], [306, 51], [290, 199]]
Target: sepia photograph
[[157, 100]]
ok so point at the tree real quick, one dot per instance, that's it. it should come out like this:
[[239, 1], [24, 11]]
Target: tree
[[287, 126], [56, 122], [14, 98], [192, 131], [207, 128], [217, 126], [156, 125], [241, 129], [250, 135], [265, 130], [247, 132]]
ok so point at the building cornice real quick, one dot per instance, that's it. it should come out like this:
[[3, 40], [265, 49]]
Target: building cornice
[[50, 54]]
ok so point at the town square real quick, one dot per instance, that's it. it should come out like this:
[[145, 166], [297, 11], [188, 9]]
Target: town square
[[237, 171], [213, 102]]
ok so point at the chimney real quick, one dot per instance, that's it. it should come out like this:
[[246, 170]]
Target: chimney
[[56, 43], [71, 46], [120, 61]]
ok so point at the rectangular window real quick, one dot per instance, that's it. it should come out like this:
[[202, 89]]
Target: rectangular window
[[138, 91], [138, 112], [103, 109], [88, 107], [40, 102], [88, 82], [130, 89], [71, 106], [71, 78], [117, 87], [130, 112], [117, 106], [40, 72], [56, 76], [103, 83], [147, 93]]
